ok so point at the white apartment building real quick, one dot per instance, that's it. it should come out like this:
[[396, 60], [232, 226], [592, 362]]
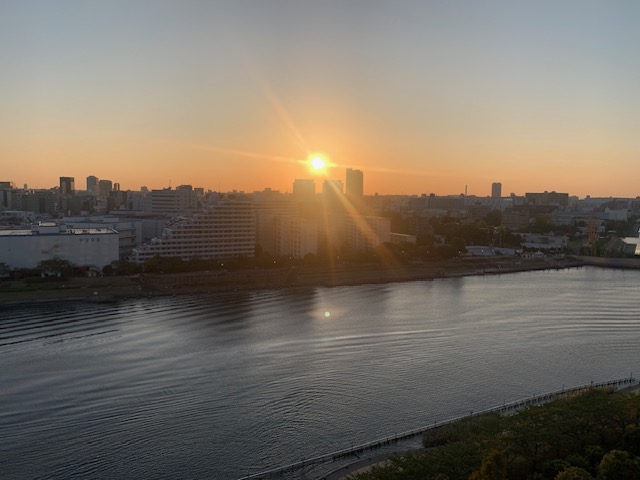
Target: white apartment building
[[225, 229], [87, 247], [296, 237], [268, 211]]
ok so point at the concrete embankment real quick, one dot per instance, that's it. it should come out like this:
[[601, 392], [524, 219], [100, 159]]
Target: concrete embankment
[[610, 262]]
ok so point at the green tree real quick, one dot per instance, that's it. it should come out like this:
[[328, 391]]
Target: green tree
[[617, 465], [493, 467], [493, 218], [4, 269], [574, 473], [56, 267]]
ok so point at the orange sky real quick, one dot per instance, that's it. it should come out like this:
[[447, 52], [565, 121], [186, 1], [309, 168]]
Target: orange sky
[[423, 97]]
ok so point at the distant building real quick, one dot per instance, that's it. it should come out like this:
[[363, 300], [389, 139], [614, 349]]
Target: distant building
[[632, 246], [418, 224], [88, 247], [7, 193], [304, 189], [548, 199], [36, 201], [402, 239], [92, 185], [67, 185], [496, 190], [354, 183], [478, 211], [332, 192], [182, 199], [104, 188], [544, 242], [515, 218]]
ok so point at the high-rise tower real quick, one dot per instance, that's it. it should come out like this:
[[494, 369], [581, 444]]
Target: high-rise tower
[[67, 185], [354, 183], [92, 185]]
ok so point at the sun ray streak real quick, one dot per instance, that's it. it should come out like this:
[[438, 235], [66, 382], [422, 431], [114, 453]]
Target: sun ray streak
[[280, 110]]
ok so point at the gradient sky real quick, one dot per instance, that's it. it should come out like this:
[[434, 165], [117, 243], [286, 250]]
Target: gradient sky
[[423, 96]]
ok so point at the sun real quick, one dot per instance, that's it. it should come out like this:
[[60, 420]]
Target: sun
[[318, 163]]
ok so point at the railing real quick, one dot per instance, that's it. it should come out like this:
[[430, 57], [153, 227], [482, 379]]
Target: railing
[[502, 409]]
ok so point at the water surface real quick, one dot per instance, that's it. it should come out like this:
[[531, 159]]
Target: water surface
[[216, 387]]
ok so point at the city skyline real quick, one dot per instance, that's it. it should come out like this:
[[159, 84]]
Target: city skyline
[[421, 97], [65, 185]]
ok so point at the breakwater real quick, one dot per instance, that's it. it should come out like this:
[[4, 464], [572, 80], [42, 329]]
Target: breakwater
[[504, 409]]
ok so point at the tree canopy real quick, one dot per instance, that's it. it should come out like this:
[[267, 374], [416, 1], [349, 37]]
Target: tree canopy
[[595, 435]]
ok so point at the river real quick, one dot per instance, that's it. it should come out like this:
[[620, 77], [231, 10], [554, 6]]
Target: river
[[217, 387]]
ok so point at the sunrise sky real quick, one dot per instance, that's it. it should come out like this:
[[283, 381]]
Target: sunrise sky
[[423, 96]]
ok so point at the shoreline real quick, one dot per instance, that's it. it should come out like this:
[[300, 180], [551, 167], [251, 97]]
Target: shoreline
[[109, 289]]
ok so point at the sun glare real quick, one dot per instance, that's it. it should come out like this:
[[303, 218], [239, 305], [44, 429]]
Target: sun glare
[[317, 163]]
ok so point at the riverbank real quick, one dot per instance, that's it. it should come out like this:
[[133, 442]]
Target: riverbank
[[104, 289]]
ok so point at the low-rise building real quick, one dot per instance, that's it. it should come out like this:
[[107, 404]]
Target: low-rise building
[[129, 230], [92, 248]]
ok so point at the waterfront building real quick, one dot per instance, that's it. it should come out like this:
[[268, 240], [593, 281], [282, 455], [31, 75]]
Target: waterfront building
[[129, 230], [224, 229], [92, 248], [296, 237]]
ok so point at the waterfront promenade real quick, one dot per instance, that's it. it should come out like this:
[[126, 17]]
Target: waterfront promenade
[[505, 409]]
